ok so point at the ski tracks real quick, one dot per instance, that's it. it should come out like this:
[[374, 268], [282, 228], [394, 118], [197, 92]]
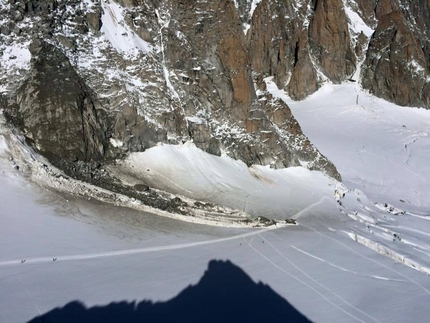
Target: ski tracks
[[342, 268], [370, 259], [130, 251], [149, 249], [313, 280]]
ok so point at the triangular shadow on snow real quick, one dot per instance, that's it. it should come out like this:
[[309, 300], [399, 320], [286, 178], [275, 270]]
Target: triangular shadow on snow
[[225, 293]]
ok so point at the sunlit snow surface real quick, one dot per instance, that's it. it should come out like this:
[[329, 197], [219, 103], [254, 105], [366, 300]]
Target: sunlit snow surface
[[378, 147], [116, 31], [258, 190], [356, 24], [362, 257]]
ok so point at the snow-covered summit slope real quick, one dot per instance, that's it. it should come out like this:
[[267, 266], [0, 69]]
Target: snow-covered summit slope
[[378, 147], [382, 152]]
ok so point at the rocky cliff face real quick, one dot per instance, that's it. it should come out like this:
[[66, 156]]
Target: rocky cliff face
[[57, 110], [330, 42], [94, 80], [382, 44], [397, 64]]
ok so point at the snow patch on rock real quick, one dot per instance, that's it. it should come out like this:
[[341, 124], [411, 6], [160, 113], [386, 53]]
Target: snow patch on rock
[[116, 31], [356, 24]]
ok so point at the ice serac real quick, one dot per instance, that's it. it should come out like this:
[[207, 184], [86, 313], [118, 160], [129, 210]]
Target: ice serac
[[329, 40], [57, 110], [397, 65]]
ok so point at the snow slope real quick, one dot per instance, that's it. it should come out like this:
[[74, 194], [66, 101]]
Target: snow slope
[[258, 190], [378, 147], [116, 31], [315, 266]]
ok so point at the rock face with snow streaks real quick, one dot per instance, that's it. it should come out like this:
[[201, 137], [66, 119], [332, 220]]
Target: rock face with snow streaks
[[143, 72], [57, 110], [130, 74], [330, 42], [397, 65]]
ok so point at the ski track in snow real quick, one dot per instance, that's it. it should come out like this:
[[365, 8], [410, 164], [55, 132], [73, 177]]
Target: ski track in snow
[[129, 251], [318, 283], [409, 229], [32, 301], [427, 218], [337, 266], [145, 250], [417, 249], [302, 282], [372, 260]]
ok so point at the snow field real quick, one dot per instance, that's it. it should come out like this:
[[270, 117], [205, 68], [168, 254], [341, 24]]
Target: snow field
[[257, 190], [320, 271]]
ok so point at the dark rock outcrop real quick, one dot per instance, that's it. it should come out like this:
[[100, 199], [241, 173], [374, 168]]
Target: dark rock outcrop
[[136, 133], [278, 43], [304, 79], [57, 111], [367, 12], [269, 44], [216, 67], [397, 65], [329, 40], [94, 21]]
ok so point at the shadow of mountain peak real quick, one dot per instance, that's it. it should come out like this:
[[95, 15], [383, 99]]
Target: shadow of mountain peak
[[225, 293]]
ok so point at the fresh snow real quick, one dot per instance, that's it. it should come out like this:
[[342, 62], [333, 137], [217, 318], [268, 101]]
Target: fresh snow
[[196, 120], [260, 191], [252, 8], [15, 58], [356, 24], [378, 147], [117, 32], [254, 5], [106, 254], [381, 151]]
